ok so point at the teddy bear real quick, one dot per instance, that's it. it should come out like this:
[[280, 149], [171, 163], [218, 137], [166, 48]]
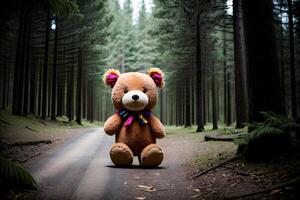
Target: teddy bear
[[134, 94]]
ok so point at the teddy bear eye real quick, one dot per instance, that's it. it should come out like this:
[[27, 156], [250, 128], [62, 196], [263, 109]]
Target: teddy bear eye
[[125, 90], [145, 90]]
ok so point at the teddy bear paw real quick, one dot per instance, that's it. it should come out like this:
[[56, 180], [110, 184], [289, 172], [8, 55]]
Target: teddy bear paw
[[151, 156], [121, 155]]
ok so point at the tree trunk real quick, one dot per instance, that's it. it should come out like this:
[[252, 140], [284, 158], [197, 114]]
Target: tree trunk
[[32, 89], [20, 44], [229, 119], [213, 97], [4, 84], [45, 70], [225, 76], [187, 104], [199, 92], [26, 81], [54, 81], [264, 83], [20, 94], [240, 68], [78, 89], [40, 91], [292, 59]]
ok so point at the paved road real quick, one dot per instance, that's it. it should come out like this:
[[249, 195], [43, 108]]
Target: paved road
[[81, 169]]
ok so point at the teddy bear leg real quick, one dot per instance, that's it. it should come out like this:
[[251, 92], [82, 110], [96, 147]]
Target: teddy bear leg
[[151, 156], [121, 154]]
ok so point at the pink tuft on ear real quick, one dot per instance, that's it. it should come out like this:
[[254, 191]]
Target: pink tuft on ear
[[158, 77], [110, 77]]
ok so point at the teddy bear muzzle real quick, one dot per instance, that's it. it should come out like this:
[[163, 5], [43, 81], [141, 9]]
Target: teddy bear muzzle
[[135, 100]]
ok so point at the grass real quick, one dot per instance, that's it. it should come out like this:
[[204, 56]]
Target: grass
[[31, 128], [39, 125]]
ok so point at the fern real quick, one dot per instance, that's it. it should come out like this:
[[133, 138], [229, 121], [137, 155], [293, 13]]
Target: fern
[[16, 175], [275, 127]]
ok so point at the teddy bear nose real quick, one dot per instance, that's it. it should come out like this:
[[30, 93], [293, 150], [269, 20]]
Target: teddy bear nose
[[135, 97]]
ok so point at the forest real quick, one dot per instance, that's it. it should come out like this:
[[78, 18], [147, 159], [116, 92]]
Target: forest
[[53, 54], [228, 64]]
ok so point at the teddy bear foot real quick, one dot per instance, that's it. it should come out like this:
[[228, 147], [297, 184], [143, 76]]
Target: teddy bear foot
[[121, 154], [151, 156]]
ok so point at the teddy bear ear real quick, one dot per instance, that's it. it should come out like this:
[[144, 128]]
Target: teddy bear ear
[[110, 77], [158, 76]]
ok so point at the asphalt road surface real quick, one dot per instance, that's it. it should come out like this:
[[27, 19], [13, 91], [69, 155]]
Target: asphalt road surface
[[81, 169]]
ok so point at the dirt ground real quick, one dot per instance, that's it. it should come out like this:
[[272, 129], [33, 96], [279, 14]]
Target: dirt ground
[[186, 153]]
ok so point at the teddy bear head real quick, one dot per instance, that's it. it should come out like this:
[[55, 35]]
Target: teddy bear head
[[134, 91]]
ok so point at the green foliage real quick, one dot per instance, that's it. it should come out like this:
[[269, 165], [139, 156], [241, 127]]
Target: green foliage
[[268, 138], [14, 175], [63, 7]]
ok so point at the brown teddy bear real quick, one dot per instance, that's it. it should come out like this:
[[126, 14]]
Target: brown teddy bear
[[134, 94]]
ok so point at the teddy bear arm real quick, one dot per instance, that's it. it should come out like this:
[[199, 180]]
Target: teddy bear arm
[[157, 127], [113, 124]]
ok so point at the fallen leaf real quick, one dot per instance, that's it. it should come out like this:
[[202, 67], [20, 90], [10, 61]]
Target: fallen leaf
[[125, 183], [147, 188], [196, 190], [233, 185], [144, 186], [195, 196], [140, 198], [275, 191]]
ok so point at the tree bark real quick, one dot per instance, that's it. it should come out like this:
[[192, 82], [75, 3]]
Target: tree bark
[[187, 104], [54, 75], [264, 83], [18, 58], [240, 68], [78, 89], [292, 59], [45, 68], [213, 97], [26, 81], [199, 92]]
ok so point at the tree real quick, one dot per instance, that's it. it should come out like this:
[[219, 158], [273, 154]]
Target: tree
[[240, 65], [264, 83], [292, 58]]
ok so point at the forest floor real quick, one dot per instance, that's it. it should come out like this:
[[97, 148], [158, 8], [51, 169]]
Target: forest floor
[[79, 167], [23, 138]]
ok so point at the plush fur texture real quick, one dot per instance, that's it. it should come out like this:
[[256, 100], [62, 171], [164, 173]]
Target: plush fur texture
[[135, 91]]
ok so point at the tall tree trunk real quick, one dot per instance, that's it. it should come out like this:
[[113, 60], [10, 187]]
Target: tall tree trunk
[[264, 84], [92, 101], [4, 85], [187, 104], [229, 119], [199, 92], [26, 81], [19, 100], [292, 58], [54, 81], [225, 76], [213, 97], [78, 89], [32, 86], [20, 44], [45, 70], [240, 68], [84, 93], [40, 91]]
